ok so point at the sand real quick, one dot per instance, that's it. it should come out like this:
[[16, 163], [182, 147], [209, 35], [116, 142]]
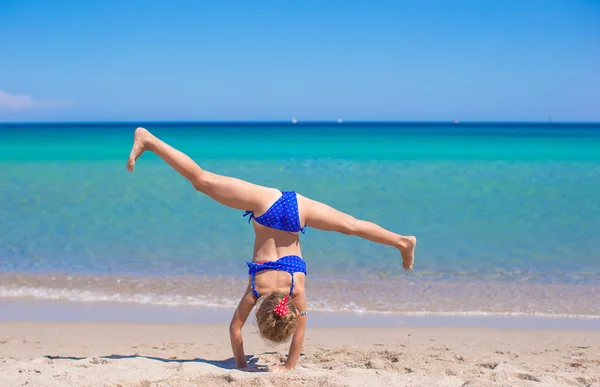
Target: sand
[[126, 354]]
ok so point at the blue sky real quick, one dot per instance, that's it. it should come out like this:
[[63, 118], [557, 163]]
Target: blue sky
[[316, 60]]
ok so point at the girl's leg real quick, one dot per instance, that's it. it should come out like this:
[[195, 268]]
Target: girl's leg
[[232, 192], [324, 217]]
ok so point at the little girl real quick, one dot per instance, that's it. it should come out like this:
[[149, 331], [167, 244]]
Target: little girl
[[277, 271]]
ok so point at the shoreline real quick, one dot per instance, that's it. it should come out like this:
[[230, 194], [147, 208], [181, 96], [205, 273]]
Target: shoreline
[[108, 312], [409, 295], [144, 355]]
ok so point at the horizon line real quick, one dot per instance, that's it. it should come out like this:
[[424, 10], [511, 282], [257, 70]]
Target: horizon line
[[309, 122]]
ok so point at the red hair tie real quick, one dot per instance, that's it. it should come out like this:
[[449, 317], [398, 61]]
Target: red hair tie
[[282, 309]]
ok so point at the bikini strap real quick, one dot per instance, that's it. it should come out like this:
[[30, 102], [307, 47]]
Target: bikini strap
[[302, 229], [251, 215], [292, 287], [254, 288]]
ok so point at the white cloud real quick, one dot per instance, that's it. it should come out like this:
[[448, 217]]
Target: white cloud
[[22, 102]]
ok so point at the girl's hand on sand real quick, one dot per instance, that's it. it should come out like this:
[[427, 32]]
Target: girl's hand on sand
[[277, 368], [247, 368]]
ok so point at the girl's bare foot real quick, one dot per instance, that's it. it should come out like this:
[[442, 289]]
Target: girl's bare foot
[[407, 250], [140, 142]]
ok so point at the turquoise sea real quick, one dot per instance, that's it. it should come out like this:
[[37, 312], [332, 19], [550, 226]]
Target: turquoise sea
[[507, 215]]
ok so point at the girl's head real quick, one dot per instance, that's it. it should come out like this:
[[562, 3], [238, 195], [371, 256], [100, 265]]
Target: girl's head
[[276, 317]]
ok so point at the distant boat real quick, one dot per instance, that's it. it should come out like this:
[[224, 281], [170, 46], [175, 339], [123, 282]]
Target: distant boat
[[294, 120], [456, 122], [339, 120]]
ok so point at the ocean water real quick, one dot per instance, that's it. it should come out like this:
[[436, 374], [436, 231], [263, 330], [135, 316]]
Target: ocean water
[[507, 216]]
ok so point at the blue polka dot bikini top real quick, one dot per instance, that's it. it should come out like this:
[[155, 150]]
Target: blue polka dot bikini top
[[282, 215], [290, 263]]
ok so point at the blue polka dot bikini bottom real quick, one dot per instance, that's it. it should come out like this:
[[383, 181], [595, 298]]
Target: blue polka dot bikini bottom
[[282, 215]]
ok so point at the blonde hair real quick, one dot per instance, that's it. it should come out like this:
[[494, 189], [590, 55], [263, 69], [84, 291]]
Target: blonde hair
[[271, 326]]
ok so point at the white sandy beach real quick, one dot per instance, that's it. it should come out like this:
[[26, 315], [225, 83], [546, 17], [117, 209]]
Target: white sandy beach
[[126, 354]]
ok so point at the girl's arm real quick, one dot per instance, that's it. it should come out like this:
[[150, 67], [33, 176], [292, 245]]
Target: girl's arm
[[299, 299], [235, 328], [298, 339]]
